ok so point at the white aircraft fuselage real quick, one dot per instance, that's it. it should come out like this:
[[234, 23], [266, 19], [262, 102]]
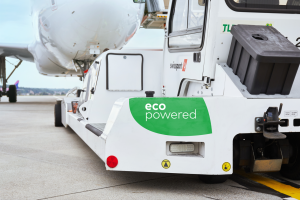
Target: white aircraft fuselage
[[65, 30]]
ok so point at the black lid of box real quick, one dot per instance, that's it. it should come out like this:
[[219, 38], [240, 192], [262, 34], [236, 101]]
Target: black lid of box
[[266, 44]]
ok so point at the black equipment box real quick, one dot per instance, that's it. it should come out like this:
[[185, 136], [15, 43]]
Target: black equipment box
[[264, 60]]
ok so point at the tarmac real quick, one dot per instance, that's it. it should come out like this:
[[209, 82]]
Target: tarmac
[[40, 161]]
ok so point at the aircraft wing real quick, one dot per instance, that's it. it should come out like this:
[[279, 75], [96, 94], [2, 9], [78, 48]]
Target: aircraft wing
[[16, 50]]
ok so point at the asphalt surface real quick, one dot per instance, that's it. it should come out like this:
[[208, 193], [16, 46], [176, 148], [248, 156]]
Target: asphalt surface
[[40, 161]]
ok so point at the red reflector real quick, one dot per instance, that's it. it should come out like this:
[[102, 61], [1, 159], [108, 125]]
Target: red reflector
[[112, 161], [86, 71]]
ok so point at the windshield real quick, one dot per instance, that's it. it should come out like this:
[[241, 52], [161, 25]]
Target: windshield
[[284, 5]]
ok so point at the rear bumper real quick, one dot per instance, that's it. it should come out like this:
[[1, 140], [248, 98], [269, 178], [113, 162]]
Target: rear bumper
[[139, 149], [143, 150]]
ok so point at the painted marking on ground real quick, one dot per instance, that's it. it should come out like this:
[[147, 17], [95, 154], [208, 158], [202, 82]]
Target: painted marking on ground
[[253, 186], [275, 185]]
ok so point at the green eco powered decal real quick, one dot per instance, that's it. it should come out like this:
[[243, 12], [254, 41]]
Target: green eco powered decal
[[172, 116]]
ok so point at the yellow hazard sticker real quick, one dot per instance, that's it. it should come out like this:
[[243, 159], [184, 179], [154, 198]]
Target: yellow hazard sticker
[[166, 164], [226, 166]]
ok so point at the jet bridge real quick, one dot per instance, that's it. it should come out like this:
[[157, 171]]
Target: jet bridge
[[156, 17]]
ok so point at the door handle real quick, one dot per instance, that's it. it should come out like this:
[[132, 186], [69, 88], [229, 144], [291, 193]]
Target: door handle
[[197, 57]]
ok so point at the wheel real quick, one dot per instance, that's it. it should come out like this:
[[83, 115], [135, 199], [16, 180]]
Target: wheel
[[213, 179], [292, 170], [12, 94], [57, 115]]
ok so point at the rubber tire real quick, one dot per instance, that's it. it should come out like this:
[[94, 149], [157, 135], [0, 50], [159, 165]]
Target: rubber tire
[[292, 170], [213, 179], [12, 94], [57, 115]]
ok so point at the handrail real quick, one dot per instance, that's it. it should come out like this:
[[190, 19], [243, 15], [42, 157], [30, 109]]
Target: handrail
[[72, 91]]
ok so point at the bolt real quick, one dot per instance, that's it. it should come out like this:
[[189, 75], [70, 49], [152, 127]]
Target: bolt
[[124, 57], [258, 129], [257, 119], [243, 90]]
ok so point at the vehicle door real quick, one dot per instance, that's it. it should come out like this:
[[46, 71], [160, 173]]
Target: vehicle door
[[184, 41], [89, 88]]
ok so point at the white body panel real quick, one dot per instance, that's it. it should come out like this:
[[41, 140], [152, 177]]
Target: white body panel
[[118, 77], [151, 70], [231, 112], [127, 140], [151, 147]]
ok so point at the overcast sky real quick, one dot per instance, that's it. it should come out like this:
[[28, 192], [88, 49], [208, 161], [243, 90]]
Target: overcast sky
[[16, 27]]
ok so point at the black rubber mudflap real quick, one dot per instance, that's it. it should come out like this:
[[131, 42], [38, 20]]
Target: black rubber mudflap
[[57, 115]]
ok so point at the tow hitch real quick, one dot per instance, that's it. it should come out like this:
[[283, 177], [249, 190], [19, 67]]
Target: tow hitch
[[268, 124], [265, 152]]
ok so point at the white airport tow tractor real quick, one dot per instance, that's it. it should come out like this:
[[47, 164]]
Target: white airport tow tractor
[[223, 94]]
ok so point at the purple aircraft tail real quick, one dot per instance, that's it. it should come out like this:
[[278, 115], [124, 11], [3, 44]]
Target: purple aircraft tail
[[17, 84]]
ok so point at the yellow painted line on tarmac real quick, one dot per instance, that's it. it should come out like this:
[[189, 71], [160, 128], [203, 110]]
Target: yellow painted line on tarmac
[[275, 185]]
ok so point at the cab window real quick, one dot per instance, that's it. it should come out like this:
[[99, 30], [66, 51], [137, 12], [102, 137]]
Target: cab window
[[187, 24], [280, 6], [180, 16]]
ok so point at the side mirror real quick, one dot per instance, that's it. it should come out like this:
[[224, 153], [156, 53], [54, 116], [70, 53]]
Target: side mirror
[[201, 2]]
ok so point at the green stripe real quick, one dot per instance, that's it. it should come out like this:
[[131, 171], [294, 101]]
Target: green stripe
[[177, 116]]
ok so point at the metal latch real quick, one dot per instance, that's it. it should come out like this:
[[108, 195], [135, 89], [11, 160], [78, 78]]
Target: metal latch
[[268, 124]]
